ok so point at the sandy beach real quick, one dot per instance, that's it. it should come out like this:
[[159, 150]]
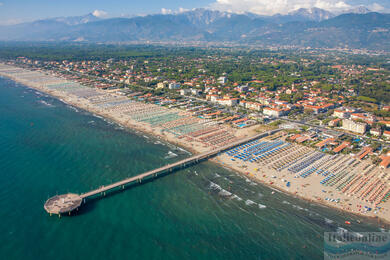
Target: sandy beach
[[199, 135]]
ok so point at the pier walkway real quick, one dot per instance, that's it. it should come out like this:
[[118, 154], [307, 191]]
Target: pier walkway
[[66, 203]]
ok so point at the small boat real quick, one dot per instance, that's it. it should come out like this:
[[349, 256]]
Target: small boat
[[347, 222]]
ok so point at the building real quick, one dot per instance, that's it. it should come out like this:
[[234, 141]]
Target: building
[[368, 118], [385, 162], [318, 108], [160, 85], [228, 101], [253, 106], [222, 80], [386, 134], [274, 112], [353, 126], [325, 142], [185, 92], [242, 88], [174, 85], [341, 147], [341, 113], [335, 122], [376, 132], [195, 91]]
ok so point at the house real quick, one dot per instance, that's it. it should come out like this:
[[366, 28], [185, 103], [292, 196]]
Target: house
[[364, 152], [274, 112], [222, 80], [341, 147], [386, 134], [242, 88], [195, 91], [318, 108], [174, 85], [335, 122], [324, 142], [185, 92], [368, 118], [253, 106], [212, 97], [228, 101], [160, 85], [341, 113], [376, 132], [385, 162]]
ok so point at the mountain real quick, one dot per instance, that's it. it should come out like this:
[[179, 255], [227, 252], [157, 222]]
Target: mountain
[[303, 28], [75, 20], [311, 14], [202, 17], [299, 15], [358, 10]]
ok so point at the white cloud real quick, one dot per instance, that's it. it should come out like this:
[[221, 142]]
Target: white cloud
[[376, 7], [182, 10], [166, 11], [13, 21], [170, 11], [269, 7], [100, 13]]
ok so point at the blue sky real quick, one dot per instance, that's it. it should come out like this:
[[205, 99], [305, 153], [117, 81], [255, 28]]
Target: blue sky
[[36, 9], [14, 11]]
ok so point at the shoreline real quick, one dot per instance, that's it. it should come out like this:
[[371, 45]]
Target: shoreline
[[293, 195], [189, 146]]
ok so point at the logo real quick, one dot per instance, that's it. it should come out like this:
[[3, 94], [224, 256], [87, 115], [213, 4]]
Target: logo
[[354, 246]]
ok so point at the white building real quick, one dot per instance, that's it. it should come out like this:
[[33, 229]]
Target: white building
[[174, 85], [251, 105], [195, 91], [228, 101], [160, 85], [222, 80], [353, 126], [273, 112], [185, 92]]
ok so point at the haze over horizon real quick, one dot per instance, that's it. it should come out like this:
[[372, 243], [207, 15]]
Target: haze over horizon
[[14, 12]]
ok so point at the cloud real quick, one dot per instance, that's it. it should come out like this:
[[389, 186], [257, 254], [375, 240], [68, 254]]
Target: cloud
[[269, 7], [1, 4], [376, 7], [13, 21], [166, 11], [100, 13], [170, 11], [182, 10]]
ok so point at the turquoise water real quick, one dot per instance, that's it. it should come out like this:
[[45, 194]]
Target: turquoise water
[[203, 212]]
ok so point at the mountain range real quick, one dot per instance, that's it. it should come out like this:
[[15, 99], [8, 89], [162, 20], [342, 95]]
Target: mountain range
[[313, 27]]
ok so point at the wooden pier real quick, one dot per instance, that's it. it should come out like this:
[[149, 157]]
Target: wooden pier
[[61, 204]]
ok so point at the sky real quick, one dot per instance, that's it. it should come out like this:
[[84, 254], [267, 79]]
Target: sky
[[17, 11]]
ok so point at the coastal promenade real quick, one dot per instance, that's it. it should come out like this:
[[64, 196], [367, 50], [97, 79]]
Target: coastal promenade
[[66, 203]]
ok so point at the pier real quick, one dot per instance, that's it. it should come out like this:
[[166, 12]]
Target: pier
[[66, 203]]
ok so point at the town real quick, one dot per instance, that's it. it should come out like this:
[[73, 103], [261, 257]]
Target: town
[[332, 120], [335, 104]]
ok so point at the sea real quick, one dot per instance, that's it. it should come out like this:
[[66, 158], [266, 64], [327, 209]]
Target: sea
[[203, 212]]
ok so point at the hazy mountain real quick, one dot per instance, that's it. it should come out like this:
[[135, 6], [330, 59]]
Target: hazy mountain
[[75, 20], [314, 27], [358, 10], [311, 14], [202, 17]]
